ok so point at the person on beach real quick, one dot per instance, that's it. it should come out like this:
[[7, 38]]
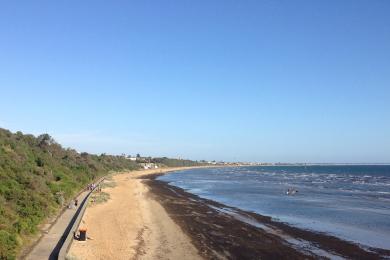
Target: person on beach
[[76, 202]]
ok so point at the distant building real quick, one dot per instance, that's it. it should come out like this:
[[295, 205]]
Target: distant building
[[148, 166]]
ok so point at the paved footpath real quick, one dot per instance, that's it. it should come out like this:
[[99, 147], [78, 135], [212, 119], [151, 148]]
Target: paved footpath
[[51, 242]]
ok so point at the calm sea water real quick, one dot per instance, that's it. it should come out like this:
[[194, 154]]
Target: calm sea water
[[351, 202]]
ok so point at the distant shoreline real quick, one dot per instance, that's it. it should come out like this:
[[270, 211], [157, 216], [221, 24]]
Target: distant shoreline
[[317, 164]]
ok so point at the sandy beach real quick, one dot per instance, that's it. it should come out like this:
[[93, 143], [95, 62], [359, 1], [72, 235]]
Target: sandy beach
[[148, 219], [131, 225]]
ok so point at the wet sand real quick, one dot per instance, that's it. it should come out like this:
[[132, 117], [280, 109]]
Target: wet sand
[[219, 231], [149, 219], [131, 225]]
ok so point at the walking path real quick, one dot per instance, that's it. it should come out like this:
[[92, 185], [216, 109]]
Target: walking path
[[132, 225], [51, 242]]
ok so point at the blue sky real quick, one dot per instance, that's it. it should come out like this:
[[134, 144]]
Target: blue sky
[[291, 81]]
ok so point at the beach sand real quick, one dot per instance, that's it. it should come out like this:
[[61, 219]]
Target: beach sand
[[149, 219], [131, 225]]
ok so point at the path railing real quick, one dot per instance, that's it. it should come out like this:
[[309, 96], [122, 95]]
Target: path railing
[[71, 230]]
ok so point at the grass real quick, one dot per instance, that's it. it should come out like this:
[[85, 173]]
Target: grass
[[108, 184], [98, 198]]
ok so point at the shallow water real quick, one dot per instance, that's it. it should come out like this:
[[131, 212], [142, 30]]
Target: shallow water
[[351, 202]]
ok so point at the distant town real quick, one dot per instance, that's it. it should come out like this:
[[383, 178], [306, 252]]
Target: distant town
[[157, 162]]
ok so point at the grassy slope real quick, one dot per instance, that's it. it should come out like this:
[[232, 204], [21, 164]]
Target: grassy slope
[[37, 175]]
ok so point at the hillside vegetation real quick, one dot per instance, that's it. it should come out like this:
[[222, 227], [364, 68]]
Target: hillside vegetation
[[37, 177], [170, 162]]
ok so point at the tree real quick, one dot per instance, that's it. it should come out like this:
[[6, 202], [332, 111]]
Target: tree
[[45, 140], [39, 162]]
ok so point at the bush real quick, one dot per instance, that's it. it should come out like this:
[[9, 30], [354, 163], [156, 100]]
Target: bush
[[37, 176], [8, 243]]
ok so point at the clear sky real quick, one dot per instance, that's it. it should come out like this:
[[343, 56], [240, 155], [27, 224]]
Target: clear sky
[[290, 81]]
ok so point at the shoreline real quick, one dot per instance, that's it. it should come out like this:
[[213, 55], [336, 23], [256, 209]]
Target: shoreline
[[130, 224], [145, 218], [219, 230]]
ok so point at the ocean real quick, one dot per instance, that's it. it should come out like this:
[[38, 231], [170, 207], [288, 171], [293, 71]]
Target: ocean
[[350, 202]]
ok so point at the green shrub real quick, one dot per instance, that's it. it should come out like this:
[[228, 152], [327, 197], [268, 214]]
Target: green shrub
[[8, 244], [37, 177]]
